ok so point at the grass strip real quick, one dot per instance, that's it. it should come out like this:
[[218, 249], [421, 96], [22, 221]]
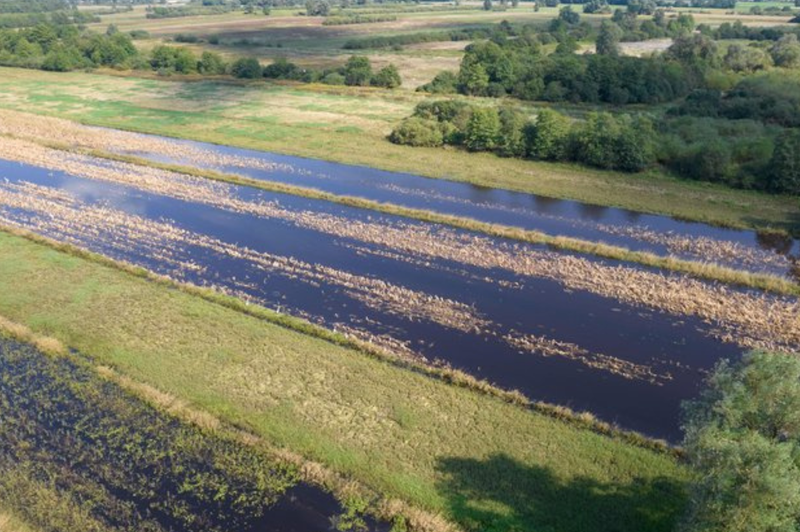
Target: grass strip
[[703, 271], [479, 461]]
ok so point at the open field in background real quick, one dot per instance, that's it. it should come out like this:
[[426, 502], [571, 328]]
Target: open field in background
[[349, 125], [443, 448], [308, 42]]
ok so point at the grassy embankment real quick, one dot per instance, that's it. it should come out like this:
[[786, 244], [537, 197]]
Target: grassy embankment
[[484, 463], [349, 126]]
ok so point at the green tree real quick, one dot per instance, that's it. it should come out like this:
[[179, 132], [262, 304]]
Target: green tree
[[785, 164], [487, 5], [596, 138], [608, 39], [62, 59], [483, 129], [634, 147], [570, 17], [357, 71], [473, 78], [786, 51], [415, 131], [388, 77], [743, 441], [246, 68], [547, 139], [211, 64], [185, 61], [445, 82], [318, 8], [746, 58], [511, 139]]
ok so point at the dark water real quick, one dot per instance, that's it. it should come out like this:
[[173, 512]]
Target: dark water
[[131, 467], [743, 249], [677, 349]]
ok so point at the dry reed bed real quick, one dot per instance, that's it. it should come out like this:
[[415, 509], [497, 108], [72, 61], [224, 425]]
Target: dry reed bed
[[80, 224], [75, 135], [550, 347], [723, 252], [708, 251], [752, 320], [56, 213]]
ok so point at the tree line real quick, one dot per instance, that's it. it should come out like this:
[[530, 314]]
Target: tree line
[[63, 48], [743, 154]]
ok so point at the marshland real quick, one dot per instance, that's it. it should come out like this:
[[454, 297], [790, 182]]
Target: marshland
[[399, 267]]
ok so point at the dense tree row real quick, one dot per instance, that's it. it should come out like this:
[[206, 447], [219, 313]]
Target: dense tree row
[[33, 6], [398, 41], [520, 68], [770, 97], [65, 47], [742, 154], [602, 140]]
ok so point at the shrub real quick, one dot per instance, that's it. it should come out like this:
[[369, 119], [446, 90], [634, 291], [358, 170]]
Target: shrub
[[743, 440], [445, 82], [333, 78], [246, 68], [483, 129], [357, 71], [388, 77], [417, 131]]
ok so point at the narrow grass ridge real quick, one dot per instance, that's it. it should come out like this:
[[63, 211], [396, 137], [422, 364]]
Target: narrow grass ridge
[[704, 271]]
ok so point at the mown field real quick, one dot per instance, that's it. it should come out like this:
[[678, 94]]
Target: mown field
[[483, 463], [350, 125]]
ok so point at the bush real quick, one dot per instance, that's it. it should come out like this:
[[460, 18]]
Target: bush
[[211, 64], [173, 59], [547, 138], [743, 440], [246, 68], [281, 69], [388, 77], [357, 71], [445, 82], [333, 78], [483, 130], [417, 131]]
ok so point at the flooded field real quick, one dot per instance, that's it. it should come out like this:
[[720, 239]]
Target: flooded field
[[79, 453], [640, 232], [625, 343], [747, 250]]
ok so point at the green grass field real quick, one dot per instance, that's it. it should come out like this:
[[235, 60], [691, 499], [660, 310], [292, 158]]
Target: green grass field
[[484, 463], [350, 125]]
